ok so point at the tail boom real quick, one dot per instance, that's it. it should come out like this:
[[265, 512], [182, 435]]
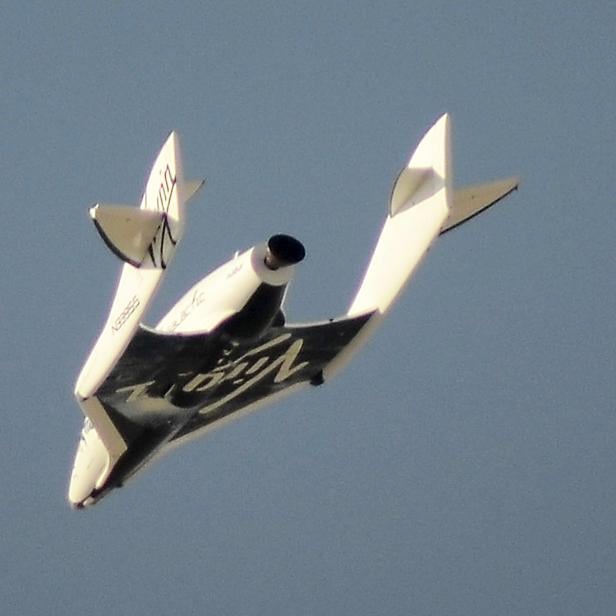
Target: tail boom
[[418, 208], [146, 239]]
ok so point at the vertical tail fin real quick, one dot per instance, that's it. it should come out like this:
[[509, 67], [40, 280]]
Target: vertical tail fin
[[419, 205], [147, 236], [162, 195]]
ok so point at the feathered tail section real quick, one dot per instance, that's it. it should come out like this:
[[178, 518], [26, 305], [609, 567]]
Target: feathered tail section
[[146, 239], [418, 208]]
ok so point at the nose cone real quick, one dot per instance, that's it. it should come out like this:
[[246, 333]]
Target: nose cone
[[91, 463], [79, 490], [283, 250]]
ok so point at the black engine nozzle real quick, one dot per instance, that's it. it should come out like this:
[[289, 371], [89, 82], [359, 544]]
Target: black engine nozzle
[[283, 250]]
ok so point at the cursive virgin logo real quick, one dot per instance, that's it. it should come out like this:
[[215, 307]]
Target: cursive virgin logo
[[163, 240], [230, 379], [249, 370]]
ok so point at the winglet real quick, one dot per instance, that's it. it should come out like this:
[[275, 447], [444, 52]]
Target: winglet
[[128, 231], [191, 188]]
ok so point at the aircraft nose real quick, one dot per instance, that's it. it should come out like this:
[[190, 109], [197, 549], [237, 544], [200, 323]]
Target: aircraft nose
[[79, 489], [91, 462]]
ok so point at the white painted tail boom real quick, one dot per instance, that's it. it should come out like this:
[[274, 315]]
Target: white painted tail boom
[[146, 239], [419, 206]]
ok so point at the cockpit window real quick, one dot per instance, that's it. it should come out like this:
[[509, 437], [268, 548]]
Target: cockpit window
[[87, 425]]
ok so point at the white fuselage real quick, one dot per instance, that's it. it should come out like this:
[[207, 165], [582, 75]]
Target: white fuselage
[[223, 293]]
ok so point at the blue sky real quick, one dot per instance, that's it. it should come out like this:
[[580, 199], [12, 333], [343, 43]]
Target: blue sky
[[465, 462]]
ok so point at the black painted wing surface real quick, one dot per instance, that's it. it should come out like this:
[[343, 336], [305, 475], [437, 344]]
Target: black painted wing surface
[[188, 382]]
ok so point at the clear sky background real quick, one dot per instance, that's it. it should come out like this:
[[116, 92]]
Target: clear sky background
[[465, 462]]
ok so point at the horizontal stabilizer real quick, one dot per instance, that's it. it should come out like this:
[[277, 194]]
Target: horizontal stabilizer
[[472, 200], [127, 230], [192, 187]]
